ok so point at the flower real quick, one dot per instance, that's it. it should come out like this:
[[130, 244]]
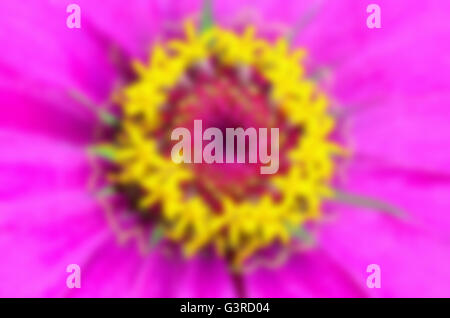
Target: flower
[[68, 90], [226, 206]]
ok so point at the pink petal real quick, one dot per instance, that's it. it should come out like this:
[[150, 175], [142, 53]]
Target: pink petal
[[65, 119], [393, 91], [422, 195], [41, 235], [110, 271], [47, 219], [307, 274], [413, 263], [408, 132], [31, 165], [205, 276], [39, 48], [131, 25]]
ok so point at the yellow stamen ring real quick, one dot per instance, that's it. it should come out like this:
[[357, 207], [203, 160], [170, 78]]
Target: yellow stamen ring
[[241, 227]]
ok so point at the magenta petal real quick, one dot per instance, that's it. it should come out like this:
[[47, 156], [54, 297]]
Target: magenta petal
[[422, 195], [158, 275], [110, 271], [394, 93], [50, 220], [34, 165], [39, 48], [132, 26], [264, 13], [205, 276], [47, 219], [322, 276], [64, 118], [413, 262], [41, 236], [412, 250], [268, 283], [411, 133], [307, 274], [337, 33], [166, 274]]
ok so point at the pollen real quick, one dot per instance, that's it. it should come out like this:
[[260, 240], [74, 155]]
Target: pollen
[[225, 79]]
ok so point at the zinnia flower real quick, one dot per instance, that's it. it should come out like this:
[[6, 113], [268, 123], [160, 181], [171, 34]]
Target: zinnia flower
[[87, 176]]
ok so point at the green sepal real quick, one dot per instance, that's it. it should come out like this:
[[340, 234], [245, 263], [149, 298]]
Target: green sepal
[[156, 236], [105, 116], [207, 16], [302, 234], [104, 152], [106, 192], [108, 118], [367, 202]]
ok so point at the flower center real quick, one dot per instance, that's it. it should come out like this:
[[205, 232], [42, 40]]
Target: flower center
[[222, 97], [226, 80]]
